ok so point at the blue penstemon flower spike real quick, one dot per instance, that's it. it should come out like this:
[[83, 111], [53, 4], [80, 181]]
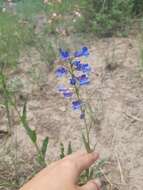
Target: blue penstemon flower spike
[[77, 74]]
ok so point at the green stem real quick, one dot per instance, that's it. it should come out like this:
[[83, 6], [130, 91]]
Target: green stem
[[6, 102], [83, 110], [42, 159], [35, 144]]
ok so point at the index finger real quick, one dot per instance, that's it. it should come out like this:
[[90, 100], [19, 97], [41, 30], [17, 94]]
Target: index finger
[[85, 161]]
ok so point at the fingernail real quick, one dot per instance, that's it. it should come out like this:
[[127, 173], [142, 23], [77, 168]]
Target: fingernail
[[98, 184], [96, 154]]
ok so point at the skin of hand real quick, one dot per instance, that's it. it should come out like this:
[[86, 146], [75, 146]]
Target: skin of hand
[[64, 174]]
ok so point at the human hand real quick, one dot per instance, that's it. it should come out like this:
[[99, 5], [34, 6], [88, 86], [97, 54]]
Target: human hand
[[64, 174]]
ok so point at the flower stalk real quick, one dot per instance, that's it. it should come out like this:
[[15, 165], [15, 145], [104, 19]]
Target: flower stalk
[[78, 75]]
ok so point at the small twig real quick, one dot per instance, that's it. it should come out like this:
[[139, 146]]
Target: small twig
[[107, 179], [133, 117], [120, 169]]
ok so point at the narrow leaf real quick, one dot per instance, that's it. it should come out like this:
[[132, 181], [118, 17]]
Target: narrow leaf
[[69, 149], [87, 146], [32, 134], [91, 174], [62, 155], [44, 146], [24, 115]]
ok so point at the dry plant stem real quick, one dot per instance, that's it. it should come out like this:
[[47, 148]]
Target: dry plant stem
[[120, 169], [107, 179], [16, 158], [133, 117]]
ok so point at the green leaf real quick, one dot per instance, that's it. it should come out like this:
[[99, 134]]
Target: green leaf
[[41, 161], [69, 149], [62, 155], [24, 115], [91, 174], [87, 173], [87, 146], [32, 134], [44, 146]]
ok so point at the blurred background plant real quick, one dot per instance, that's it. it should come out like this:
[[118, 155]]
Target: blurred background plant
[[109, 17], [13, 37], [141, 44], [103, 17]]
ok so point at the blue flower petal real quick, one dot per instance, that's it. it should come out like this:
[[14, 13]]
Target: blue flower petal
[[64, 55], [78, 53], [83, 80], [76, 63], [86, 68], [73, 81], [79, 67], [76, 105], [83, 67], [61, 88], [67, 94], [61, 71], [83, 52]]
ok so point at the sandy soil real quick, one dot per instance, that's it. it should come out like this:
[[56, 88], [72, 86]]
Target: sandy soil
[[116, 92]]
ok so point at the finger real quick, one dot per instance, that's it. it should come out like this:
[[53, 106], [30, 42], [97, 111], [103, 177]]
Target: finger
[[92, 185], [76, 155], [86, 161]]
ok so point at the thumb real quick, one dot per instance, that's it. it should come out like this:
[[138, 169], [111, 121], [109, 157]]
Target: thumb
[[92, 185]]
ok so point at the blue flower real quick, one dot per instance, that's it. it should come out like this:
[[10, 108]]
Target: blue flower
[[73, 81], [83, 80], [83, 67], [79, 67], [61, 71], [83, 52], [61, 88], [86, 68], [64, 55], [76, 63], [67, 94], [76, 105]]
